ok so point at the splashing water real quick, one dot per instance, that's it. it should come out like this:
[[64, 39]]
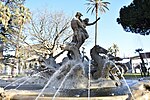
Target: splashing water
[[108, 61], [89, 80], [15, 81], [23, 82], [51, 78], [125, 82], [63, 82], [27, 78], [128, 87]]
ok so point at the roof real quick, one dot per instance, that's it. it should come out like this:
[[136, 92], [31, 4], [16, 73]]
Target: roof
[[146, 55]]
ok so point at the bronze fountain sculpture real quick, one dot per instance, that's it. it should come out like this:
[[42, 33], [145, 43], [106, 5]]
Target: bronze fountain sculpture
[[75, 77]]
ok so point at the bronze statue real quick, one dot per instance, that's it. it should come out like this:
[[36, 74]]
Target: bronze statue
[[78, 30], [78, 26]]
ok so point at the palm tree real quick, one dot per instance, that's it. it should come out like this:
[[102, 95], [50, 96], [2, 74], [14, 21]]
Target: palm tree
[[95, 5], [116, 49], [113, 50], [23, 14]]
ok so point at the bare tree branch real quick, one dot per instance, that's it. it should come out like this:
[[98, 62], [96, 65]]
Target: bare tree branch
[[50, 29]]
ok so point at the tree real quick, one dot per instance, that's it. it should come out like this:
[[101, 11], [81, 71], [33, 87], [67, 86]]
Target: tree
[[95, 5], [135, 17], [13, 16], [10, 16], [23, 15], [113, 50], [4, 18], [50, 29]]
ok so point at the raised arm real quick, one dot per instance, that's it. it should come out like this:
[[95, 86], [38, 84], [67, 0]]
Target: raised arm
[[88, 24]]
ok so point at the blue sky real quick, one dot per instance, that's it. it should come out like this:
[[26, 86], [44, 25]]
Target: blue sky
[[109, 31]]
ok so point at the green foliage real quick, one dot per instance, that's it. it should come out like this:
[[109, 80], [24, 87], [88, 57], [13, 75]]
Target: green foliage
[[135, 18], [132, 75], [12, 18], [22, 14], [97, 4], [4, 15], [113, 50]]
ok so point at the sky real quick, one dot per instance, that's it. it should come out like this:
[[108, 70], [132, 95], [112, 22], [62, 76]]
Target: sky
[[109, 31]]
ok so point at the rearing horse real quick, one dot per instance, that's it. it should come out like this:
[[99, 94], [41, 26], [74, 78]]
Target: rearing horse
[[98, 61], [104, 67]]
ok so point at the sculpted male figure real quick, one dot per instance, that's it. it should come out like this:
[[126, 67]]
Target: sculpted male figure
[[78, 30], [78, 26]]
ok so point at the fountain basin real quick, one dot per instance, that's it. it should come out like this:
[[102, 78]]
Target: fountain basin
[[28, 95], [23, 87], [118, 93], [32, 97]]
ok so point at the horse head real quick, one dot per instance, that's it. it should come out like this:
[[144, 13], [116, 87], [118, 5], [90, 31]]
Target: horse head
[[99, 49]]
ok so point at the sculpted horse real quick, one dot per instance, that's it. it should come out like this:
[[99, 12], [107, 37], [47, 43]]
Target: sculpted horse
[[97, 60], [104, 68]]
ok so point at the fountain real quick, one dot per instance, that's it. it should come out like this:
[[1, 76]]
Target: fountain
[[76, 79], [72, 80]]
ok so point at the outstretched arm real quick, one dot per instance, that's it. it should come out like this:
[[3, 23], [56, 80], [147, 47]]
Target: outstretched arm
[[88, 24]]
